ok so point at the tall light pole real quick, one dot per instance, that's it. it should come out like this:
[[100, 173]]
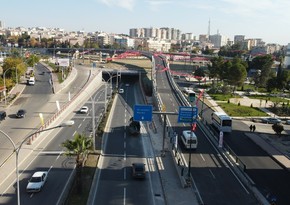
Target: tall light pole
[[17, 149]]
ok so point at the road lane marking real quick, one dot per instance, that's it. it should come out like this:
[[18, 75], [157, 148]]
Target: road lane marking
[[211, 173], [202, 157]]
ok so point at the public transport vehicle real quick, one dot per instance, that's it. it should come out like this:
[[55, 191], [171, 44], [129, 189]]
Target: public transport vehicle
[[189, 139], [221, 121], [190, 94]]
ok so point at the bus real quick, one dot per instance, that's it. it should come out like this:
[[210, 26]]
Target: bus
[[221, 121], [190, 94], [189, 139]]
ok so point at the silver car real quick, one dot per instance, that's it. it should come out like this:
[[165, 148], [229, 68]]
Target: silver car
[[271, 120]]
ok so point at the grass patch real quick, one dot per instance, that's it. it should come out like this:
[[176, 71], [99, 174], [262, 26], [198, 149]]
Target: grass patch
[[241, 111], [221, 97], [270, 98]]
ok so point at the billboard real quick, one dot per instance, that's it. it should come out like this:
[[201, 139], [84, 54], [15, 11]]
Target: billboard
[[63, 62]]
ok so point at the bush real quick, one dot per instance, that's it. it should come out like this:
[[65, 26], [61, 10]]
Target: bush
[[278, 128]]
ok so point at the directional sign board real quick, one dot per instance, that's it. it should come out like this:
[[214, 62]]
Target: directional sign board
[[187, 114], [142, 113]]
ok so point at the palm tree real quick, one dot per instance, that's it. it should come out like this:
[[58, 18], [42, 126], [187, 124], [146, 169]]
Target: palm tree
[[79, 147]]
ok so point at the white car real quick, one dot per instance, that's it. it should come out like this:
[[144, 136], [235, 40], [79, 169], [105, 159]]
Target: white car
[[84, 109], [37, 181], [121, 90]]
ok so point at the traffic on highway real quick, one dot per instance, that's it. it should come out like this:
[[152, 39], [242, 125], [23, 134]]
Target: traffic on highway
[[234, 171]]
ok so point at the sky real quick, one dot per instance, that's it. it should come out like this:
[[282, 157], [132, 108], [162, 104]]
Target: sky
[[265, 19]]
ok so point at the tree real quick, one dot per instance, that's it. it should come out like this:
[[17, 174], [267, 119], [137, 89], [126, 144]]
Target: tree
[[79, 147], [278, 128], [237, 74], [12, 64], [264, 64], [215, 67], [32, 60]]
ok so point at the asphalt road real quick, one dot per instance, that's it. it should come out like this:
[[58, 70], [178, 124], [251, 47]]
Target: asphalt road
[[40, 99], [266, 174], [115, 182], [215, 182]]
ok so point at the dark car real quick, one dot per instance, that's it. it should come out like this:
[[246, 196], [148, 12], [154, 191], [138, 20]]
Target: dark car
[[138, 170], [20, 113], [2, 115]]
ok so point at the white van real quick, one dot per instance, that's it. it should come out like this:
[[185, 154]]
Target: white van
[[189, 139]]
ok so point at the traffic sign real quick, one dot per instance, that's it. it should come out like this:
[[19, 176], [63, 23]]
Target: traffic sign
[[142, 113], [187, 114]]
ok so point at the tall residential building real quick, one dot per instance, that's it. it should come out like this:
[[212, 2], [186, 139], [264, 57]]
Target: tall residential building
[[218, 40], [136, 32], [203, 38], [187, 36], [239, 39], [160, 33], [287, 57]]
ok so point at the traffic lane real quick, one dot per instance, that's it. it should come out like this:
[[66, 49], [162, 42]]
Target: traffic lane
[[43, 158], [207, 156], [116, 185], [268, 176], [83, 74], [60, 168], [42, 82], [213, 176]]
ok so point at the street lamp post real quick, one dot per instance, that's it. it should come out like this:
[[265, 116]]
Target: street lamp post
[[17, 149]]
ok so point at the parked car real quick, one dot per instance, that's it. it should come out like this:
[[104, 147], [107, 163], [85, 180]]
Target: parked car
[[287, 122], [21, 113], [271, 120], [84, 109], [138, 170], [2, 115], [37, 181], [121, 90]]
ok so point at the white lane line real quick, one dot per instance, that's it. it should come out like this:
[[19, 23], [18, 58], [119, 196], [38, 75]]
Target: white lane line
[[124, 173], [202, 157], [124, 144], [124, 201], [211, 173]]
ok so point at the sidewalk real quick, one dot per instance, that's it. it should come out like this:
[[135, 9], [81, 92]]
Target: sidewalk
[[173, 189]]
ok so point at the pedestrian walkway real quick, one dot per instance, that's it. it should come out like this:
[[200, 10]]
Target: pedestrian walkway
[[173, 187]]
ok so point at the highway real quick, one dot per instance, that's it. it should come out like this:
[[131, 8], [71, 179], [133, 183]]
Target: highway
[[215, 182], [115, 182], [265, 173], [47, 154]]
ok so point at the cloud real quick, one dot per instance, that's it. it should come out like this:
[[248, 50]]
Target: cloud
[[159, 2], [156, 5], [126, 4]]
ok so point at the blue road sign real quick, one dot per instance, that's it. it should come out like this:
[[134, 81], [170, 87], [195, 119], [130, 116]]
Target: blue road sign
[[142, 113], [187, 114]]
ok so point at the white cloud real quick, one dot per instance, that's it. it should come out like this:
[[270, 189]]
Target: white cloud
[[156, 5], [159, 2], [126, 4]]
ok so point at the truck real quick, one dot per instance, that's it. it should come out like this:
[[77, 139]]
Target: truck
[[134, 127]]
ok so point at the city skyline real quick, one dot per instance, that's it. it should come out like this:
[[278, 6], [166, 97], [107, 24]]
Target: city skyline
[[265, 19]]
